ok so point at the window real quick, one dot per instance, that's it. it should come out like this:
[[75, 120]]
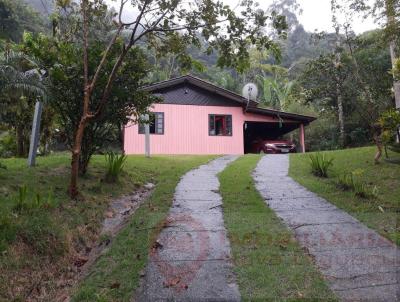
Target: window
[[220, 125], [156, 123]]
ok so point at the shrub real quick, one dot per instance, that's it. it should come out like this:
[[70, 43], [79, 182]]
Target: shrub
[[320, 164], [115, 164], [8, 146], [345, 181]]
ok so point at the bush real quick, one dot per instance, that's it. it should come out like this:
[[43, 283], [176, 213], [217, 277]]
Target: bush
[[320, 164], [8, 146], [349, 182], [115, 164], [345, 182]]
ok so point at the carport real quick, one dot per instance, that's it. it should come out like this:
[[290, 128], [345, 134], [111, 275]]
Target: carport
[[278, 124]]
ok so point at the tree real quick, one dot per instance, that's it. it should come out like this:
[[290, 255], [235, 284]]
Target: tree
[[325, 82], [167, 27], [338, 63], [390, 124], [16, 17], [21, 86], [288, 8], [364, 81], [62, 61], [388, 13]]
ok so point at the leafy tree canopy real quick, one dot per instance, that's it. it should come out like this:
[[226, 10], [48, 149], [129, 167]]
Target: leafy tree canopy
[[16, 17]]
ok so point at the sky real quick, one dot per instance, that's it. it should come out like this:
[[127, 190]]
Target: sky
[[316, 15]]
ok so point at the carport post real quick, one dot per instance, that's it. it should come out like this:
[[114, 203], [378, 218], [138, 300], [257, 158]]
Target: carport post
[[302, 138]]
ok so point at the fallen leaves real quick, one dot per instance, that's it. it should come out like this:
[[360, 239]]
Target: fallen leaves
[[175, 282], [156, 245], [80, 261]]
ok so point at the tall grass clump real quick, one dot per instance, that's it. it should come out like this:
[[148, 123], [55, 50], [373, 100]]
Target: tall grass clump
[[349, 182], [115, 164], [320, 164], [24, 202]]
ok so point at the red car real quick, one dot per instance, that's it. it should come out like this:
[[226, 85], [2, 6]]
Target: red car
[[273, 146]]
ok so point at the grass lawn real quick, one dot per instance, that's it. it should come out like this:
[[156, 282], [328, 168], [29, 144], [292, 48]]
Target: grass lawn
[[49, 237], [269, 264], [385, 176], [116, 274]]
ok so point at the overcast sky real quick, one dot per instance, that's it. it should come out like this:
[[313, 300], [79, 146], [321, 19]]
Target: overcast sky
[[316, 15]]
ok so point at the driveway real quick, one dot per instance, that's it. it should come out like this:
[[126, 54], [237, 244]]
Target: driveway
[[358, 263], [190, 261]]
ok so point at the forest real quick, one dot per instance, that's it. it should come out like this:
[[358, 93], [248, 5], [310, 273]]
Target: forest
[[344, 79]]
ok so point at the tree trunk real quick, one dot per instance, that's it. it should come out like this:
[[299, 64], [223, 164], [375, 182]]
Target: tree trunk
[[121, 135], [19, 131], [83, 164], [396, 83], [87, 150], [340, 117], [76, 152], [391, 25], [338, 90], [76, 148]]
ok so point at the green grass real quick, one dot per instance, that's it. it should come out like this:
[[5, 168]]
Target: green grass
[[116, 274], [48, 236], [269, 264], [385, 176]]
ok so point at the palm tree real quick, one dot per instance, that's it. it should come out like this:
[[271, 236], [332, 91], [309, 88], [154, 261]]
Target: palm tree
[[20, 72], [20, 86]]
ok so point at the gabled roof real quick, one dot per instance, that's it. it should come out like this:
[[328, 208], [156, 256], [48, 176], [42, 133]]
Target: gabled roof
[[197, 82], [190, 90]]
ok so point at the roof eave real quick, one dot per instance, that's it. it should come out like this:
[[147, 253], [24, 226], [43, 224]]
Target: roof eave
[[199, 83], [297, 117]]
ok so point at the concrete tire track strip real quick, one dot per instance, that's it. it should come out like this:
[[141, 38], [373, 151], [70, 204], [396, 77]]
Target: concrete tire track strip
[[358, 263], [191, 258]]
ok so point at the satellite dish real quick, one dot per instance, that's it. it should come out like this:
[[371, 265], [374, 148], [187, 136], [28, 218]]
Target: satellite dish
[[250, 91]]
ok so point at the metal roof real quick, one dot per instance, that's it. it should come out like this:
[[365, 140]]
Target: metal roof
[[282, 114], [189, 94], [190, 90]]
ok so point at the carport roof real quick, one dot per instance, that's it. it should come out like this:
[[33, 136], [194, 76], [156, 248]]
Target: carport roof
[[292, 116], [210, 88]]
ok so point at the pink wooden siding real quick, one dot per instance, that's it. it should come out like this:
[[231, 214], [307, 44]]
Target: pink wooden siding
[[186, 131]]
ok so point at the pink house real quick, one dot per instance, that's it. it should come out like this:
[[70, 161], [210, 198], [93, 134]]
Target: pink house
[[197, 117]]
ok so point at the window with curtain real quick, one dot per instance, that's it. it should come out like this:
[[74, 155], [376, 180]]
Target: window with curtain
[[156, 123], [220, 125]]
